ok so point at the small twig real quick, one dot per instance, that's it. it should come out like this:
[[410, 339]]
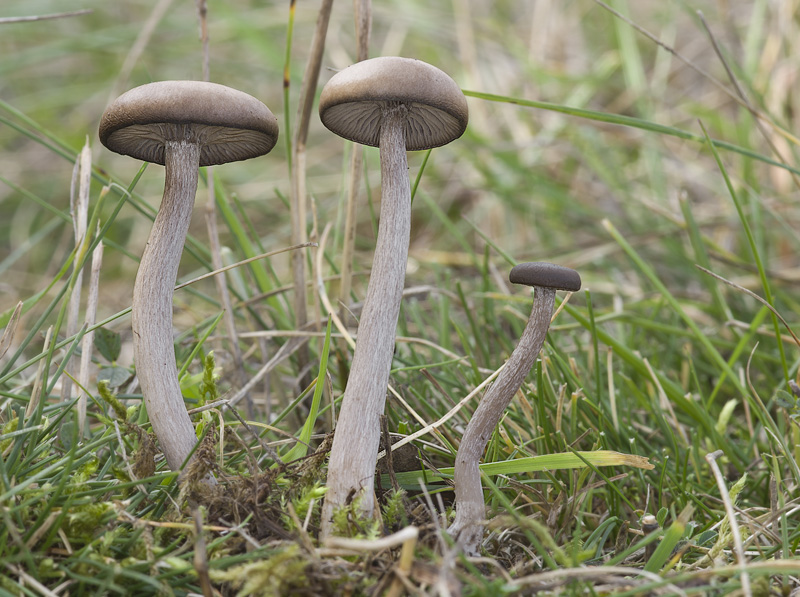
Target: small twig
[[138, 47], [305, 540], [244, 262], [744, 99], [127, 462], [283, 353], [11, 329], [323, 293], [27, 579], [298, 174], [49, 17], [671, 50], [665, 403], [753, 295], [266, 447], [209, 406], [362, 13], [437, 385], [307, 520], [737, 536], [241, 532], [79, 210], [354, 336], [387, 444], [403, 567], [87, 342], [554, 578], [200, 555], [202, 18], [446, 417], [213, 231], [38, 389], [396, 395], [373, 545]]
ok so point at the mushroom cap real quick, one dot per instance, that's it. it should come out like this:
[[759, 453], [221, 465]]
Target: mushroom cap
[[229, 124], [352, 101], [545, 275]]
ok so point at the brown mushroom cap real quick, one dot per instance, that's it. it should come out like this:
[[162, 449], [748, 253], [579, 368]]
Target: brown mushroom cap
[[545, 275], [352, 101], [229, 124]]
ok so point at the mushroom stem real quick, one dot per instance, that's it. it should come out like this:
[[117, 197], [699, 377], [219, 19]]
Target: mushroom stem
[[151, 312], [470, 508], [355, 443]]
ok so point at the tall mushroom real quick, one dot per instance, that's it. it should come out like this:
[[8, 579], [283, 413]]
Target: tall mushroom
[[545, 278], [181, 125], [398, 105]]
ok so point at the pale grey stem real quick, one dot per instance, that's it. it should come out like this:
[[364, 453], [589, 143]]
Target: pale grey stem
[[355, 444], [470, 507], [151, 311]]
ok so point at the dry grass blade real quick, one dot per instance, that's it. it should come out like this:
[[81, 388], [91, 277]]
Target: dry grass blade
[[87, 342], [57, 15], [323, 293], [363, 23], [553, 579], [403, 566], [283, 353], [446, 417], [298, 164], [213, 231], [138, 47], [38, 389], [755, 296], [671, 50], [11, 329], [201, 555], [410, 533], [27, 579], [244, 262], [734, 525], [745, 100], [79, 210]]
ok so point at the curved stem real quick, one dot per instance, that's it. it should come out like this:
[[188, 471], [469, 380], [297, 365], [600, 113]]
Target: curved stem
[[151, 312], [355, 444], [470, 507]]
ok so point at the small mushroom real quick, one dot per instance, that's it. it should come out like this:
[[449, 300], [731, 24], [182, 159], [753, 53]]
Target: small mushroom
[[546, 279], [649, 525], [398, 105], [181, 125]]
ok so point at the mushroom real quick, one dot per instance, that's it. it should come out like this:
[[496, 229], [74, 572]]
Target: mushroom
[[181, 125], [398, 105], [545, 278]]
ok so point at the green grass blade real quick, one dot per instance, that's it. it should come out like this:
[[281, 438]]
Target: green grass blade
[[300, 449]]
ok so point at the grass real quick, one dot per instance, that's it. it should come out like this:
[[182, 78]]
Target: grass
[[590, 145]]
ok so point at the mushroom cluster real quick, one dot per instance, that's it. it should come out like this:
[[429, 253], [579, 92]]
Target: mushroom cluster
[[181, 125], [395, 104], [398, 105]]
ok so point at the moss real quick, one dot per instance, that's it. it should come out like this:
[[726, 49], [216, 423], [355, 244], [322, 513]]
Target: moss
[[282, 573]]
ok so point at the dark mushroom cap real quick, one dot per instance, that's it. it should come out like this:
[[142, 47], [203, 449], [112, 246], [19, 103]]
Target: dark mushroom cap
[[545, 275], [229, 124], [352, 102]]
